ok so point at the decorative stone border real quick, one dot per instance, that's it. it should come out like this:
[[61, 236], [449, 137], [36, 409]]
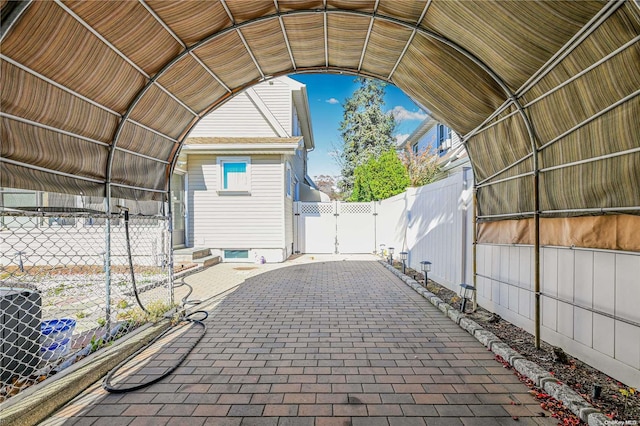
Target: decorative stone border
[[541, 377]]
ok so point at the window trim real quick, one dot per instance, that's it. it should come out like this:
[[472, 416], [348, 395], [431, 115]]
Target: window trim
[[444, 134], [245, 190], [288, 180]]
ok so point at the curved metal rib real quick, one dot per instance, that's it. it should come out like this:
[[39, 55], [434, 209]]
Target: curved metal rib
[[410, 25]]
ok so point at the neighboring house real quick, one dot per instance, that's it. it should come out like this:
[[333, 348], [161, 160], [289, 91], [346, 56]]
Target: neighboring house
[[447, 144], [242, 168]]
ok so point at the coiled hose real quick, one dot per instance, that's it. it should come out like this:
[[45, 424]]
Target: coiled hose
[[106, 384]]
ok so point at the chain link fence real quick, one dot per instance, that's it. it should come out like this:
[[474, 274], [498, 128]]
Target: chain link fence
[[73, 279]]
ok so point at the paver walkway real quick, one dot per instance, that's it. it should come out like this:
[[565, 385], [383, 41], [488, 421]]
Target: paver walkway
[[324, 343]]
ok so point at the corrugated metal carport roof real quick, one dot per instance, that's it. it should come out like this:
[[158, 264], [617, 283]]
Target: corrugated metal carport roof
[[99, 96]]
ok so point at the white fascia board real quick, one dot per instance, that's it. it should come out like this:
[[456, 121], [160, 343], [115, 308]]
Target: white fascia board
[[275, 148], [301, 103], [419, 132], [293, 84]]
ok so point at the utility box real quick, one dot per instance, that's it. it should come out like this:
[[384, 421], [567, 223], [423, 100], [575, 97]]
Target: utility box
[[20, 318]]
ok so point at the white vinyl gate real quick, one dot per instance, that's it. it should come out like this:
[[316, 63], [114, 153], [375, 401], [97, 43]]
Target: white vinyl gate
[[334, 227]]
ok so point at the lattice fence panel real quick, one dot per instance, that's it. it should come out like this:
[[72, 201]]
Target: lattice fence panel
[[316, 208], [356, 208]]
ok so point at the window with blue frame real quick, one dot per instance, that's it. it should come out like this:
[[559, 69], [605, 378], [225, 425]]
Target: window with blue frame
[[234, 174]]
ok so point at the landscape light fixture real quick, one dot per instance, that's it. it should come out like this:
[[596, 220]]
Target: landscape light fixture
[[425, 265], [403, 257], [390, 250], [382, 246], [467, 292], [596, 391]]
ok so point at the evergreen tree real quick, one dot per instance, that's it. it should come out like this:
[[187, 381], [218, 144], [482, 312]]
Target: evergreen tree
[[379, 178], [365, 129]]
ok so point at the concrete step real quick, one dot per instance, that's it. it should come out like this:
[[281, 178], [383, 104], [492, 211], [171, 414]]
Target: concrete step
[[190, 254], [208, 260], [200, 253]]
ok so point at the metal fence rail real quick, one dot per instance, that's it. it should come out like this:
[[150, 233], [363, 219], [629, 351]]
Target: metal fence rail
[[63, 295]]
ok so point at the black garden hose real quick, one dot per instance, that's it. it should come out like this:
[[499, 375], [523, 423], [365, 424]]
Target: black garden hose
[[106, 384], [133, 275], [200, 322]]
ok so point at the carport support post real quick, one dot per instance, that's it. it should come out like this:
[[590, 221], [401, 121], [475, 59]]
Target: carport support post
[[107, 258], [536, 251], [168, 212], [474, 246]]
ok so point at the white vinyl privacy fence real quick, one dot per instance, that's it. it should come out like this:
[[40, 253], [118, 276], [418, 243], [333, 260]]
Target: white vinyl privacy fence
[[433, 223], [589, 300]]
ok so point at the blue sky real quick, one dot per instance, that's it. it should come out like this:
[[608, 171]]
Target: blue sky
[[327, 93]]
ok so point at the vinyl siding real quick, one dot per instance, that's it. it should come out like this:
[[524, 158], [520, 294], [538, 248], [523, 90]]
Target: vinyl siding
[[240, 117], [455, 140], [236, 221], [278, 98]]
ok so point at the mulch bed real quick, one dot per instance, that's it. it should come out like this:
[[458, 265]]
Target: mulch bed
[[616, 400]]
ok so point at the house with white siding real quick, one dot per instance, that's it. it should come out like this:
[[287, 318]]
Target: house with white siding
[[441, 140], [241, 168]]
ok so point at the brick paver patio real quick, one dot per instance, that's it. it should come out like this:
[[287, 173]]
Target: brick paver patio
[[321, 343]]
